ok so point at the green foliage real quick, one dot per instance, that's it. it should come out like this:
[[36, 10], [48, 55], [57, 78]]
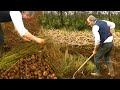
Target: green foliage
[[90, 66], [53, 21], [73, 62], [18, 52], [75, 21]]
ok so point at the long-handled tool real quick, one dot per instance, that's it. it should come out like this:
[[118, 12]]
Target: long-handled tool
[[82, 65]]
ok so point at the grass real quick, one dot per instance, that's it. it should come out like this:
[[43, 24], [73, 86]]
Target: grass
[[18, 52], [73, 62]]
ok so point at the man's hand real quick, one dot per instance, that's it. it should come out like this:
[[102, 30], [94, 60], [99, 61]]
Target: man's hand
[[29, 36], [40, 41], [95, 49], [94, 52]]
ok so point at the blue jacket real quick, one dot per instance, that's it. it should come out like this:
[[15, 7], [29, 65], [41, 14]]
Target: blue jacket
[[104, 30]]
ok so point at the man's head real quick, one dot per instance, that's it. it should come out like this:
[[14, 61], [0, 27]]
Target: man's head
[[28, 14], [91, 20]]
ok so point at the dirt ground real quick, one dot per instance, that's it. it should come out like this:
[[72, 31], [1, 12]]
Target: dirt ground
[[87, 52], [82, 43], [12, 39]]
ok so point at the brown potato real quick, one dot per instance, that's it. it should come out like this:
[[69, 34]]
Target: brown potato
[[45, 73]]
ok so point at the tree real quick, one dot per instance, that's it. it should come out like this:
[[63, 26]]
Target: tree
[[109, 16], [61, 17]]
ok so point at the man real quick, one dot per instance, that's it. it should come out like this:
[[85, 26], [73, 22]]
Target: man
[[103, 34], [16, 17]]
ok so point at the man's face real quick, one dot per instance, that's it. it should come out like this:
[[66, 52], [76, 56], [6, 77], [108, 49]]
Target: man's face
[[26, 15], [90, 23]]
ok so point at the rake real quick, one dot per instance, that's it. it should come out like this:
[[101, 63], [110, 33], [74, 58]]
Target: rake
[[82, 65]]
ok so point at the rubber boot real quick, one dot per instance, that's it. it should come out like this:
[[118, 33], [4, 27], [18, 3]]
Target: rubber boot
[[111, 70], [97, 71]]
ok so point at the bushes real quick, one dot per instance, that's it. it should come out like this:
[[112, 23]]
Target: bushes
[[70, 22], [75, 21]]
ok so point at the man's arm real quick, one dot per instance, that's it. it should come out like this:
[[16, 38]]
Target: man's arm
[[29, 36], [16, 17], [95, 30]]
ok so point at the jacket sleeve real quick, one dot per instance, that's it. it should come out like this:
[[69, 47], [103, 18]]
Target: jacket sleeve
[[16, 17]]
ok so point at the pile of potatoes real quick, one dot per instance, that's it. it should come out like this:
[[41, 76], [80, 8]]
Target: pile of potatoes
[[29, 67]]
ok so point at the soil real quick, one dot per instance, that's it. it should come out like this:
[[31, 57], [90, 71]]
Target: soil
[[12, 39], [82, 43], [84, 50]]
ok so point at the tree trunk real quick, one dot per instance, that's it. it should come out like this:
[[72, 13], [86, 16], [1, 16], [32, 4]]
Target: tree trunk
[[61, 18], [109, 16]]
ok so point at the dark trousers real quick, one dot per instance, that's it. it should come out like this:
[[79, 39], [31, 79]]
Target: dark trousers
[[1, 38], [104, 52]]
